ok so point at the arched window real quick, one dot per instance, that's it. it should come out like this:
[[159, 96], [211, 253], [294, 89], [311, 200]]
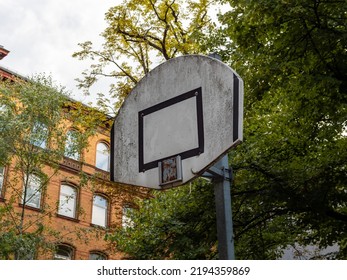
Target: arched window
[[32, 192], [100, 210], [68, 201], [96, 255], [64, 252], [71, 145], [102, 156]]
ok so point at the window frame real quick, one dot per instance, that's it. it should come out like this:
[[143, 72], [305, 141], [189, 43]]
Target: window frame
[[101, 153], [106, 210], [60, 212], [37, 193], [99, 253], [40, 143], [70, 142], [64, 247]]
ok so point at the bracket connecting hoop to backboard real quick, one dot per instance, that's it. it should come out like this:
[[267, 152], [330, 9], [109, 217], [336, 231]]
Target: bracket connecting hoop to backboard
[[218, 174]]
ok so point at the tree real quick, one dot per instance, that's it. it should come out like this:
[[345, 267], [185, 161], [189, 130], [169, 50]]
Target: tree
[[32, 145], [139, 36], [174, 224], [291, 169]]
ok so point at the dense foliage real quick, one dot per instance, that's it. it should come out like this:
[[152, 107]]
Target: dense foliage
[[174, 224], [291, 169]]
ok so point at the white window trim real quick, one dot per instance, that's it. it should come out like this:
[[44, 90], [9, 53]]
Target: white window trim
[[105, 152], [95, 221], [64, 199], [41, 143], [37, 192], [69, 145]]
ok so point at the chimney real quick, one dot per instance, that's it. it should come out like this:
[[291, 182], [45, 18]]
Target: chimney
[[3, 52]]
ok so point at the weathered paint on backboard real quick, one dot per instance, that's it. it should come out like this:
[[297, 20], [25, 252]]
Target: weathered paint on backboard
[[191, 106]]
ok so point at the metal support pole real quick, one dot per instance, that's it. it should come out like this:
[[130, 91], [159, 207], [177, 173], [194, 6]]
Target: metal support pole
[[223, 212]]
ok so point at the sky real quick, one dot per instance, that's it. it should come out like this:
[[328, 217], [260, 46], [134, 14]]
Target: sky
[[42, 35]]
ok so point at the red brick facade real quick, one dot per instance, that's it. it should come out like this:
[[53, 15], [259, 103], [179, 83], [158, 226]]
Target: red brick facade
[[78, 233]]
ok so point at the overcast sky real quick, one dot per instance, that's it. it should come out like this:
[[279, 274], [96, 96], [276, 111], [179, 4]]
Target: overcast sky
[[42, 35]]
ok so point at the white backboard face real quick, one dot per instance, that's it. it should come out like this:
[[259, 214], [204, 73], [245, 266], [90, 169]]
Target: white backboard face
[[191, 107]]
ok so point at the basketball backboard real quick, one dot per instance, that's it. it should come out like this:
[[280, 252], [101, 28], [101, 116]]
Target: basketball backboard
[[178, 120]]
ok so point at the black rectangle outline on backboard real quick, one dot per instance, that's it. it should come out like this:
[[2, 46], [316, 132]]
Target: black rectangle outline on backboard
[[197, 93], [236, 109]]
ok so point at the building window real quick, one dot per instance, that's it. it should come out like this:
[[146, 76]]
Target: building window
[[126, 216], [39, 135], [102, 156], [32, 192], [71, 145], [67, 201], [64, 252], [97, 256], [2, 176], [100, 210]]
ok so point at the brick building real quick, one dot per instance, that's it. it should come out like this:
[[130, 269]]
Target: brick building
[[78, 224]]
